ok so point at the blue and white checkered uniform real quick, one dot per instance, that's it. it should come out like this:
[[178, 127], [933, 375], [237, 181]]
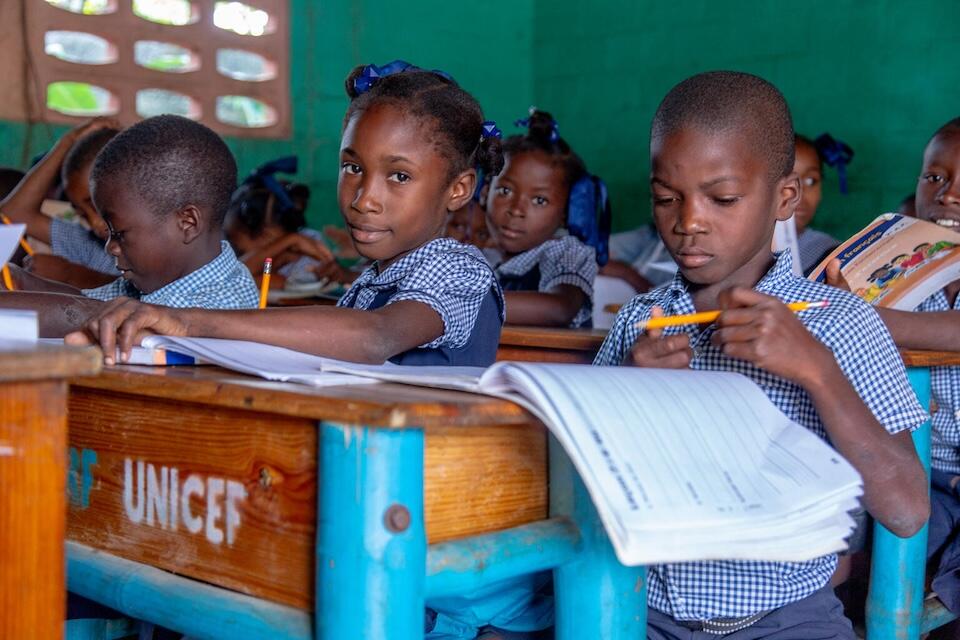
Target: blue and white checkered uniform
[[563, 260], [301, 269], [450, 277], [76, 243], [863, 348], [945, 388], [222, 283]]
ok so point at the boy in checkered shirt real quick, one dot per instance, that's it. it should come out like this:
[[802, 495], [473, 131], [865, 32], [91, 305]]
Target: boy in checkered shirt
[[162, 188], [722, 154]]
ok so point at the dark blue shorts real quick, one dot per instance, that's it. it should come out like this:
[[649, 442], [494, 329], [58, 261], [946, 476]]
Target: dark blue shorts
[[943, 542]]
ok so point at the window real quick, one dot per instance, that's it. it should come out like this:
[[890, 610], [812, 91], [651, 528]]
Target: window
[[219, 62]]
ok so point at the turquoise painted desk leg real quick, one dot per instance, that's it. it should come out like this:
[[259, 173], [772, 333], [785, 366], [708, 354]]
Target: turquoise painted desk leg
[[895, 601], [596, 596], [371, 545]]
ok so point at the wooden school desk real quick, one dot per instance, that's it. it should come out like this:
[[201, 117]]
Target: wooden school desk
[[545, 344], [33, 472], [224, 506]]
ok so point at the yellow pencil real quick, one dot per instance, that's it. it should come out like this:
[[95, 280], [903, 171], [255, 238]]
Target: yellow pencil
[[7, 280], [709, 316], [265, 282], [23, 243]]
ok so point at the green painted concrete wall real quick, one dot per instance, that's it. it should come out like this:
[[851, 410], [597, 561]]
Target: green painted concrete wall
[[881, 75], [329, 38]]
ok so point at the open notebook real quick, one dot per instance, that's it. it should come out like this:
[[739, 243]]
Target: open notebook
[[681, 464]]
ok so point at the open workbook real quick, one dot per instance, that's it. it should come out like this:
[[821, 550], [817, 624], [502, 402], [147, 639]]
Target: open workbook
[[681, 464], [897, 262]]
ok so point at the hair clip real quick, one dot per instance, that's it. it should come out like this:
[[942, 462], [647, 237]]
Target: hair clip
[[490, 130], [525, 123], [836, 154], [371, 74], [264, 174]]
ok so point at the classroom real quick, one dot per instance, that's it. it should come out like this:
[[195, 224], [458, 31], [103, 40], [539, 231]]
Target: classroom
[[501, 321]]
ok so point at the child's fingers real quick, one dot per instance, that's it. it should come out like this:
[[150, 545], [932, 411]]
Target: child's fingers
[[742, 297], [834, 276], [655, 312], [78, 339], [737, 316], [737, 333]]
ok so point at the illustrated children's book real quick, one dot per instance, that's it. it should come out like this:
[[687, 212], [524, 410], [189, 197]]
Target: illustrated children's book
[[897, 262]]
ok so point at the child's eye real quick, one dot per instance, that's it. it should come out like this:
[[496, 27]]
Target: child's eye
[[663, 200], [400, 176], [351, 168], [809, 182], [932, 178], [540, 201], [503, 191], [727, 202], [116, 236]]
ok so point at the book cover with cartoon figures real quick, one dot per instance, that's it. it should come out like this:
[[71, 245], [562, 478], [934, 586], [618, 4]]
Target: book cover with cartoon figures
[[896, 261]]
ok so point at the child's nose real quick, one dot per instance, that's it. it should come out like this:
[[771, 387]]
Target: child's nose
[[689, 219], [112, 247], [950, 193], [366, 199]]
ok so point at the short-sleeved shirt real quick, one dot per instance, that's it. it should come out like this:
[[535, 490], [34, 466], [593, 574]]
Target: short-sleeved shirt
[[450, 277], [222, 283], [643, 249], [814, 246], [866, 354], [301, 269], [563, 260], [76, 243], [945, 389]]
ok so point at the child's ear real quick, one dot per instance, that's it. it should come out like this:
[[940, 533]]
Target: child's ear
[[788, 196], [461, 190], [191, 222]]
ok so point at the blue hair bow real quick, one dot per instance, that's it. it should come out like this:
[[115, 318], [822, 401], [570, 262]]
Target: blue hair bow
[[554, 127], [264, 174], [588, 215], [836, 154], [371, 74], [490, 130]]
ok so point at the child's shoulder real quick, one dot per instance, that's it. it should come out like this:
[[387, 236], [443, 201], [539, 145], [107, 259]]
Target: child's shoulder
[[445, 256]]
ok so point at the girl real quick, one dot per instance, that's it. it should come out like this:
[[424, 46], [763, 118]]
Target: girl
[[79, 258], [808, 164], [411, 140], [410, 143], [266, 220], [548, 274]]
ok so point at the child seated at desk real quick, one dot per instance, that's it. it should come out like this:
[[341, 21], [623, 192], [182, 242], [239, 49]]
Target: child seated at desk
[[411, 142], [78, 256], [814, 245], [162, 187], [547, 273], [266, 219], [722, 147], [938, 328]]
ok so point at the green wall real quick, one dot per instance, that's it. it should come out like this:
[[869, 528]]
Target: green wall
[[329, 38], [880, 75]]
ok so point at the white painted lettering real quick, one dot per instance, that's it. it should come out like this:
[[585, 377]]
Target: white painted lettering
[[193, 485], [236, 492], [158, 494], [174, 501], [214, 510], [134, 511]]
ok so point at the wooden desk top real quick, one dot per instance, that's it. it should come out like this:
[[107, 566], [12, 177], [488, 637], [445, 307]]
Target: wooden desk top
[[379, 405], [24, 361]]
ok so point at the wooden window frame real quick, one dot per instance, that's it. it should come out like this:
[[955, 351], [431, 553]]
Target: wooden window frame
[[124, 77]]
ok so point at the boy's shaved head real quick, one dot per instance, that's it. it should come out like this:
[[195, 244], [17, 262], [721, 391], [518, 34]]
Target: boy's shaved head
[[953, 125], [731, 101], [170, 161]]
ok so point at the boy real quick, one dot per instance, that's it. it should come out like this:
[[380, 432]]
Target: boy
[[722, 153], [162, 188], [938, 328], [77, 255]]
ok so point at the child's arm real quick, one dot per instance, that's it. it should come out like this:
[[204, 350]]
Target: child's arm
[[935, 331], [59, 269], [762, 330], [622, 270], [554, 308], [346, 334], [293, 245], [58, 314], [23, 203], [26, 281]]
